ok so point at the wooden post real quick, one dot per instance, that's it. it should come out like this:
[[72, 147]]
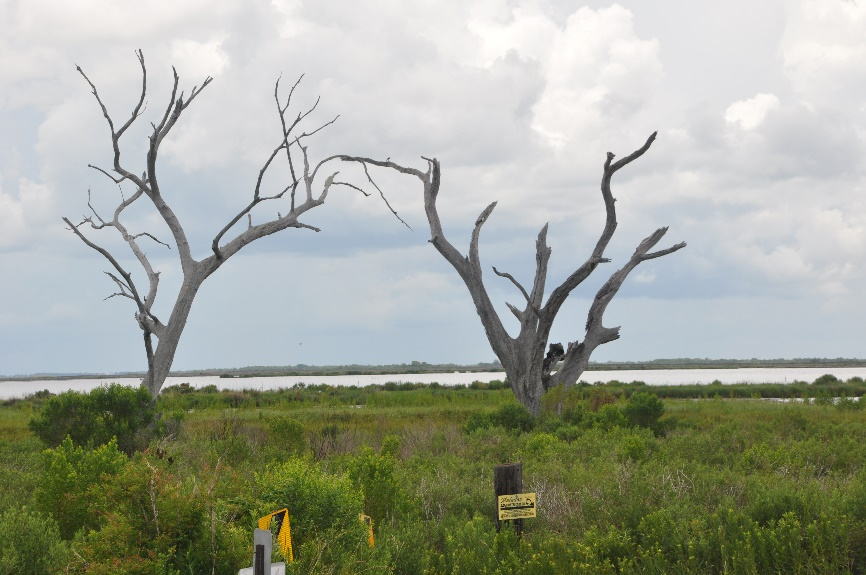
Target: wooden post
[[508, 480]]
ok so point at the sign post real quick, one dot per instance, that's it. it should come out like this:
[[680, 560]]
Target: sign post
[[508, 480]]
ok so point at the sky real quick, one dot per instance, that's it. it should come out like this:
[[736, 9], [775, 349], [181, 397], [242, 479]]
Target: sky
[[759, 166]]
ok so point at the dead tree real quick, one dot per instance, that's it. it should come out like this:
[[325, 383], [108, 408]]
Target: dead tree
[[530, 371], [303, 192]]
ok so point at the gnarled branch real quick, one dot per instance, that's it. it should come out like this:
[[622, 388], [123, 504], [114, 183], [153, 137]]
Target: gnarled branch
[[523, 356], [194, 272]]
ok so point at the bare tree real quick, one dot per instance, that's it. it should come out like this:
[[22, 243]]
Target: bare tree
[[529, 370], [302, 192]]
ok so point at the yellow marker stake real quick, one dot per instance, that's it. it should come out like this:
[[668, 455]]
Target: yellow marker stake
[[284, 533], [368, 521]]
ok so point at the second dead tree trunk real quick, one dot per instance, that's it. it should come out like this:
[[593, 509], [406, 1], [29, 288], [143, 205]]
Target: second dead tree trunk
[[531, 366]]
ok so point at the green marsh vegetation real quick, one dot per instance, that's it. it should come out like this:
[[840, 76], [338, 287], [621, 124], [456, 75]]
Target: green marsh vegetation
[[629, 479]]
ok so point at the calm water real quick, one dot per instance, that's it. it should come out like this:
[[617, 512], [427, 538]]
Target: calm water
[[9, 389]]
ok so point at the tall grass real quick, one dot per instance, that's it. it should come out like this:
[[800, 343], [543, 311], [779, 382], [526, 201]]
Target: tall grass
[[720, 485]]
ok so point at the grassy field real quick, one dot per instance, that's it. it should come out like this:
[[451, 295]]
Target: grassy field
[[713, 485]]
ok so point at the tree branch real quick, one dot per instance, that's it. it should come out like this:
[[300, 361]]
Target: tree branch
[[127, 277], [542, 256], [382, 194], [577, 357], [560, 294], [474, 258], [529, 303]]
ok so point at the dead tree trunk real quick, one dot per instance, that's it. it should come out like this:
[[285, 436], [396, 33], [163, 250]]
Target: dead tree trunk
[[530, 365], [302, 193]]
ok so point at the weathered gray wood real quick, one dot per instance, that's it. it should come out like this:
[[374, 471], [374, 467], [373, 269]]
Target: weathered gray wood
[[302, 189], [527, 368]]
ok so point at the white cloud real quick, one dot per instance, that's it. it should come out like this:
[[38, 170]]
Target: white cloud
[[823, 49], [293, 22], [760, 164], [199, 58], [595, 67], [526, 30], [644, 277], [749, 114], [22, 211]]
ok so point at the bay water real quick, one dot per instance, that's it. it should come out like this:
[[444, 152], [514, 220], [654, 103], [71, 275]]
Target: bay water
[[20, 388]]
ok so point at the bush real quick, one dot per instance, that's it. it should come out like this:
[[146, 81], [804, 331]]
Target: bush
[[477, 420], [607, 418], [319, 504], [30, 543], [513, 417], [151, 521], [563, 404], [70, 475], [374, 475], [287, 434], [92, 419], [826, 379], [644, 410]]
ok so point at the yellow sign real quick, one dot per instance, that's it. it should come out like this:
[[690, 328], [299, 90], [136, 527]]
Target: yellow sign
[[516, 506], [368, 521], [284, 531]]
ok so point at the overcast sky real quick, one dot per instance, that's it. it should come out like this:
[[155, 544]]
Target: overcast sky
[[759, 166]]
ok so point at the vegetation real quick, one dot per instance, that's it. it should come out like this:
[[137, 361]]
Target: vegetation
[[94, 418], [627, 482]]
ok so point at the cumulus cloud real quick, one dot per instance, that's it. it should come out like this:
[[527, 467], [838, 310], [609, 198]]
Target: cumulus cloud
[[199, 58], [759, 163], [748, 114], [21, 212], [595, 66], [823, 50]]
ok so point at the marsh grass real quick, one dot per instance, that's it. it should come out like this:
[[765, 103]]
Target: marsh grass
[[721, 485]]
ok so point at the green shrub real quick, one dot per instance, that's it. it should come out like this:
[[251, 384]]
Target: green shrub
[[644, 410], [473, 547], [635, 444], [390, 445], [513, 417], [847, 403], [823, 397], [539, 445], [286, 435], [72, 476], [559, 402], [374, 475], [826, 379], [770, 504], [154, 521], [30, 543], [477, 420], [319, 504], [92, 419], [607, 418]]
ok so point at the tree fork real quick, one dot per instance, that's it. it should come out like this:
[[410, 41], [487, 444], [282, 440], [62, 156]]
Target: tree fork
[[529, 370], [290, 146]]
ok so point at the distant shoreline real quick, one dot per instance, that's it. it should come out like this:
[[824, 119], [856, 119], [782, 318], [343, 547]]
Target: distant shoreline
[[422, 367]]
